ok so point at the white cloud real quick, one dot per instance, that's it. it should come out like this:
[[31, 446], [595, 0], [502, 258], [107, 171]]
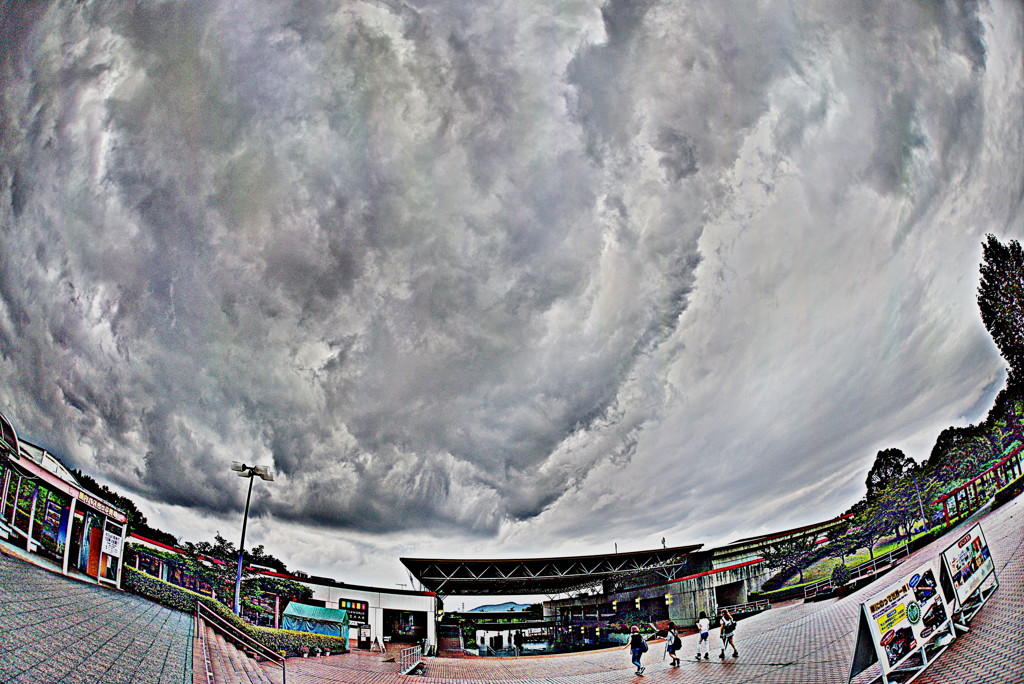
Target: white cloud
[[496, 280]]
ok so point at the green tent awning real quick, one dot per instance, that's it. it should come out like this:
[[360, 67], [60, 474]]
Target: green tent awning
[[317, 613], [315, 619]]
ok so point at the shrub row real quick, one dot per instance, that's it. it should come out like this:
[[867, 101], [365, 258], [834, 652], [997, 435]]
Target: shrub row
[[1008, 492], [284, 641]]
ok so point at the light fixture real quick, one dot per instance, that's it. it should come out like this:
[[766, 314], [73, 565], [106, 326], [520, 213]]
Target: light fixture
[[264, 472]]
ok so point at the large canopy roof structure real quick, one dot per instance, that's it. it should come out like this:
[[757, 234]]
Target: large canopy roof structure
[[508, 577]]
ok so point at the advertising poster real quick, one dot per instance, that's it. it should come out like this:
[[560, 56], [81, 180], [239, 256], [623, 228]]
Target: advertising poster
[[969, 563], [906, 616], [51, 521], [111, 544]]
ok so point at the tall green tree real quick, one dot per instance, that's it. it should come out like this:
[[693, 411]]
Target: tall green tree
[[1001, 300], [842, 542], [898, 507], [869, 526], [889, 466], [792, 555]]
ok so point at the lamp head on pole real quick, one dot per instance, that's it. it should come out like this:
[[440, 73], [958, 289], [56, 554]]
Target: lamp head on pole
[[264, 472]]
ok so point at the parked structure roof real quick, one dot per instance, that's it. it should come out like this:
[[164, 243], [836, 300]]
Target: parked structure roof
[[518, 576]]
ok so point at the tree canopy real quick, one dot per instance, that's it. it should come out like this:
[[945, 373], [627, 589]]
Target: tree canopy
[[137, 522], [222, 549], [889, 466], [1001, 300]]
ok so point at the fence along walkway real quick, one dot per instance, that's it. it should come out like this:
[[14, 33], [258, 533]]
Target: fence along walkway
[[972, 494]]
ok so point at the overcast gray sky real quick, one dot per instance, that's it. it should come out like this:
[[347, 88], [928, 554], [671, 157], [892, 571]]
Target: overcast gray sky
[[499, 278]]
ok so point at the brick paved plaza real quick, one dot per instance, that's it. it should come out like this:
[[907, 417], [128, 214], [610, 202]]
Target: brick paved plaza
[[56, 629], [803, 643]]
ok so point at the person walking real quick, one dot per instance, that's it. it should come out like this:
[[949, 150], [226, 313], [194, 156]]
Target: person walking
[[517, 641], [637, 646], [727, 633], [672, 643], [704, 627]]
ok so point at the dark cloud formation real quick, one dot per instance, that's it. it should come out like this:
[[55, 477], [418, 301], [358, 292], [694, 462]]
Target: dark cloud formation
[[489, 268]]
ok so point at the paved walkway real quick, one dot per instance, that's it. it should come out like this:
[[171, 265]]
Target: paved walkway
[[803, 643], [59, 630]]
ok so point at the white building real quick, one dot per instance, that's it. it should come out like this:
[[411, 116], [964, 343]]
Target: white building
[[376, 614]]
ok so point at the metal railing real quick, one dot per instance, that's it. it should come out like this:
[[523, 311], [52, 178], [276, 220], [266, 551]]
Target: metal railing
[[409, 659], [748, 607], [201, 635], [238, 637], [865, 569]]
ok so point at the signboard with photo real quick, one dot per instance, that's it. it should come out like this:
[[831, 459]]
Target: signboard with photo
[[969, 563], [906, 616]]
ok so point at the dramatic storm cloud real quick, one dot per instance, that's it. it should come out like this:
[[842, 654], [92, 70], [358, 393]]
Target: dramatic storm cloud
[[499, 277]]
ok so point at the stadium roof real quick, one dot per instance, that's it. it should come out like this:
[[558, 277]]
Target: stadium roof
[[508, 577], [795, 532]]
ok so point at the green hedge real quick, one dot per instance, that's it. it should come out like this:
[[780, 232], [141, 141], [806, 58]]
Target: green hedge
[[1008, 492], [279, 640]]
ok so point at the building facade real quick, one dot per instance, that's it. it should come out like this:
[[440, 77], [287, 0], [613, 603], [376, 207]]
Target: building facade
[[378, 615], [44, 510]]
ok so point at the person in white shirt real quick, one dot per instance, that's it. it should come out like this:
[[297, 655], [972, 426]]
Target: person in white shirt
[[704, 628], [728, 633]]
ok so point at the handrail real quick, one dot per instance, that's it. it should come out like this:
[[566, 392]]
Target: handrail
[[206, 651], [409, 659], [760, 604], [1016, 452], [230, 631], [868, 567]]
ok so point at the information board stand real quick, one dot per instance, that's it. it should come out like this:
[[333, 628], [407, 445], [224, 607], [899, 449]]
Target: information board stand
[[904, 628], [907, 626], [968, 576]]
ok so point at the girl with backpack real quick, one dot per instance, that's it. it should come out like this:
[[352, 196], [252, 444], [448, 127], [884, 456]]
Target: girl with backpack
[[637, 647], [727, 633], [672, 644]]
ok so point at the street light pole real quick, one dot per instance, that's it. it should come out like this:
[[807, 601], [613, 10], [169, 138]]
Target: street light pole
[[927, 523], [241, 552], [246, 471]]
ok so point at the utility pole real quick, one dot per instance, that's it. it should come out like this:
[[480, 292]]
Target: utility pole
[[927, 524]]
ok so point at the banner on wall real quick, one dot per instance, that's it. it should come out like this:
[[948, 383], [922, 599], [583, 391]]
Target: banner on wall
[[969, 563], [358, 611]]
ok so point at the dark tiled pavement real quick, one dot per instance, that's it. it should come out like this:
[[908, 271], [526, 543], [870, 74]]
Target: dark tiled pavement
[[55, 629]]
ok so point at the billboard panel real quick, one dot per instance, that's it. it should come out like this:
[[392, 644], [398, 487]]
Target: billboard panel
[[906, 616], [969, 563]]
